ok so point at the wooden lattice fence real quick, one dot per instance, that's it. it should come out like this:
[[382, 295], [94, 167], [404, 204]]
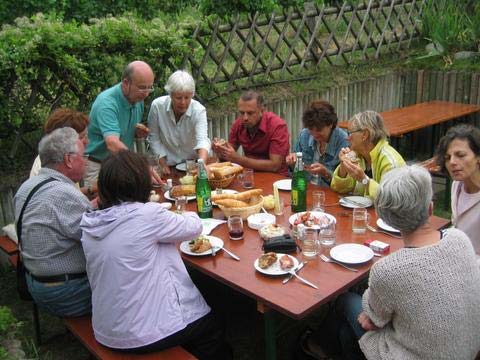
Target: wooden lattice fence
[[242, 54]]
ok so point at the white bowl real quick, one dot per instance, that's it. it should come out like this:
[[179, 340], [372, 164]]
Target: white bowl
[[257, 221]]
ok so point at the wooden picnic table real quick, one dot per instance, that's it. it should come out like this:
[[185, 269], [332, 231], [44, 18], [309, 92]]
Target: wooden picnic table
[[401, 121], [294, 299]]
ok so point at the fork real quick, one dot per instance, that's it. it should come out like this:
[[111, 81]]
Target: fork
[[327, 259], [372, 229]]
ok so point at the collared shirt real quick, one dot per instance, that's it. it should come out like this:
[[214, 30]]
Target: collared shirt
[[51, 225], [271, 137], [178, 141], [112, 114], [133, 263], [308, 146]]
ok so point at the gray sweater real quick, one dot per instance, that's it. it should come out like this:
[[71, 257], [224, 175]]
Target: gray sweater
[[426, 302]]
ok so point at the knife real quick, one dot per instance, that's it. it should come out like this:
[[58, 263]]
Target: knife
[[231, 254], [299, 267], [304, 280]]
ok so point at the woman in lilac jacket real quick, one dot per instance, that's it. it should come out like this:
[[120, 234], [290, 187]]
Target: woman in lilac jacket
[[142, 296]]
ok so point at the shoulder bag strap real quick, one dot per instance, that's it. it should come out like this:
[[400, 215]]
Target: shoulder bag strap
[[19, 221]]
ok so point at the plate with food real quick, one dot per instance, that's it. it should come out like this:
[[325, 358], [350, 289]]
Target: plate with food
[[275, 263], [223, 191], [201, 246], [285, 184], [351, 253], [271, 230], [383, 225], [181, 190], [312, 219], [354, 202]]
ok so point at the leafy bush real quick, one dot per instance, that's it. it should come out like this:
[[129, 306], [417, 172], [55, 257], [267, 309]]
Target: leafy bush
[[9, 328], [452, 24]]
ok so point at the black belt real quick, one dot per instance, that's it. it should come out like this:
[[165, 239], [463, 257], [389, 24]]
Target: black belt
[[57, 278], [95, 160]]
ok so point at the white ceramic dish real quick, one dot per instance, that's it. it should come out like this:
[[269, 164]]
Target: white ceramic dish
[[285, 184], [351, 253], [383, 225], [224, 191], [257, 221], [363, 202], [166, 205], [275, 268], [168, 197], [331, 218], [215, 241], [181, 167]]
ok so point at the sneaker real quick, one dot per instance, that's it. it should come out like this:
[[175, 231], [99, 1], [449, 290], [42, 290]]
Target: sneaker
[[311, 348]]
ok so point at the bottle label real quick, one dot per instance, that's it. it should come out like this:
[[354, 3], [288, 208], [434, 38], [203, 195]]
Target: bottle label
[[204, 204], [294, 197]]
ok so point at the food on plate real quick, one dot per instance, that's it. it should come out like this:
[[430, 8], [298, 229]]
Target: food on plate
[[199, 245], [268, 202], [187, 180], [271, 230], [231, 203], [154, 197], [267, 260], [308, 219], [182, 190], [352, 156], [286, 262]]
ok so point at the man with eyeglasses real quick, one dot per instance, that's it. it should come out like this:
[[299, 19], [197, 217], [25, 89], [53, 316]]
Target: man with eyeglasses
[[50, 226], [116, 115]]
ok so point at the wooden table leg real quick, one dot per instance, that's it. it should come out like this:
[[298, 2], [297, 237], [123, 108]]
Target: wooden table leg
[[269, 328]]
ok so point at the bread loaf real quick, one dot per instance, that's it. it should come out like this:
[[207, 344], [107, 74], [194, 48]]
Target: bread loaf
[[231, 203], [247, 195], [226, 171], [182, 190], [219, 165]]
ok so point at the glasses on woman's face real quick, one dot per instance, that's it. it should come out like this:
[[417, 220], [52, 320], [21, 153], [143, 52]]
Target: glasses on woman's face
[[350, 132]]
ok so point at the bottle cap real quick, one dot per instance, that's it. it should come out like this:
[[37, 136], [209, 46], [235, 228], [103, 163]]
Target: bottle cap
[[299, 154], [200, 160]]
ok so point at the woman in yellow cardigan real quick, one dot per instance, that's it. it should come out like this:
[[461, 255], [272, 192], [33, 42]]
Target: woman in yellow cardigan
[[368, 158]]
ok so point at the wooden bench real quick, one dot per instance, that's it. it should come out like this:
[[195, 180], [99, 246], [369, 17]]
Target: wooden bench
[[81, 327]]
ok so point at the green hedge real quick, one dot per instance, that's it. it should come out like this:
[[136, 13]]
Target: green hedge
[[46, 63]]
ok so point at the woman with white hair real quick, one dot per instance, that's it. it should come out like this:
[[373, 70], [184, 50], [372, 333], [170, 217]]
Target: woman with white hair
[[369, 157], [178, 124], [423, 300]]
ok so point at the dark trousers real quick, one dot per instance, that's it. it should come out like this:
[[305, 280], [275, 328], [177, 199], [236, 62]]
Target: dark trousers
[[203, 338]]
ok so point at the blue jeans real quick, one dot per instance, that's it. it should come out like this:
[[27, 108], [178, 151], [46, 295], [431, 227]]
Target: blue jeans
[[349, 306], [64, 299]]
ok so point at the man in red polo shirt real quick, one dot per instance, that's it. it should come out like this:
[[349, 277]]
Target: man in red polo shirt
[[262, 135]]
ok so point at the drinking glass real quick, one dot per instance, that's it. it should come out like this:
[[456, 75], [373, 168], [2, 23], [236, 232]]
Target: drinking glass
[[318, 201], [153, 162], [181, 204], [328, 235], [248, 178], [359, 220], [309, 239], [235, 227], [191, 166], [279, 211]]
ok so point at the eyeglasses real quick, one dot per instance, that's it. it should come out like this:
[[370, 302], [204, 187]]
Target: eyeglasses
[[143, 89], [350, 132]]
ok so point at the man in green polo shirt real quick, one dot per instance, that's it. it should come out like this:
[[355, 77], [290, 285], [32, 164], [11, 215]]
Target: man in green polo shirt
[[116, 115]]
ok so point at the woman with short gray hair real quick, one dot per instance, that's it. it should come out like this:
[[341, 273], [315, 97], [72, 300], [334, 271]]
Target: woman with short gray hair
[[422, 300], [369, 157], [178, 124]]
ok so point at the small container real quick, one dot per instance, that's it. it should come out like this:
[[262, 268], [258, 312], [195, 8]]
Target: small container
[[271, 230], [377, 246], [258, 221]]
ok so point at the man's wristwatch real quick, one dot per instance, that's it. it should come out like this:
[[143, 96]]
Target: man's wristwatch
[[365, 180]]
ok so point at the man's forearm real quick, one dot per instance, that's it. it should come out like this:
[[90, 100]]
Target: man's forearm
[[202, 154], [114, 144]]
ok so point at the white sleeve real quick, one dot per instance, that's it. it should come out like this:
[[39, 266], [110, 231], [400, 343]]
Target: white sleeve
[[154, 135], [201, 130]]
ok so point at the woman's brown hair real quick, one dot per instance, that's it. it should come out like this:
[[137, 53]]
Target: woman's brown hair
[[65, 117]]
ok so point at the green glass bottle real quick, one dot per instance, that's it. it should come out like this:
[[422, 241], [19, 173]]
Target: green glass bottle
[[299, 186], [204, 202]]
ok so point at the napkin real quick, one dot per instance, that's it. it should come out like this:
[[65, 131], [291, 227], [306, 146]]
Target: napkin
[[11, 232], [210, 224]]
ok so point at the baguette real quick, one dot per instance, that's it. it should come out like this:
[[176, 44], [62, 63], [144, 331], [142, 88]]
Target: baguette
[[231, 203], [216, 197], [182, 190], [226, 171], [219, 165], [246, 195]]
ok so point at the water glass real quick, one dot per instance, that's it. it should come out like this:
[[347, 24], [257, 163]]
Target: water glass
[[248, 178], [279, 211], [309, 238], [154, 164], [318, 201], [235, 227], [181, 204], [328, 236], [359, 220], [191, 166]]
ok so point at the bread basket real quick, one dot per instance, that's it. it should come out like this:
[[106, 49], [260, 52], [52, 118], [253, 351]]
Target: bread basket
[[221, 183], [244, 212]]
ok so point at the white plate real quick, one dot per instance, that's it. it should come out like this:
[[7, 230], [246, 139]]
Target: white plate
[[181, 167], [215, 241], [383, 225], [275, 268], [293, 217], [166, 205], [224, 191], [168, 197], [285, 184], [361, 200], [351, 253]]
